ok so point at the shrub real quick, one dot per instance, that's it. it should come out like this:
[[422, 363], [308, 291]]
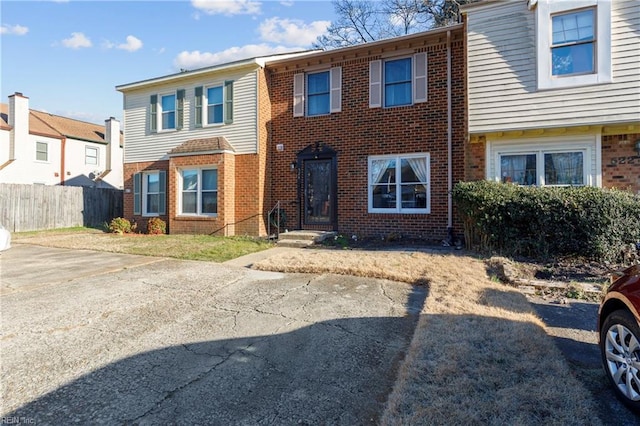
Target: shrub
[[120, 225], [156, 226], [548, 222]]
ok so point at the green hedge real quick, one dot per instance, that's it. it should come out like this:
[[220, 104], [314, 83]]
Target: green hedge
[[548, 222]]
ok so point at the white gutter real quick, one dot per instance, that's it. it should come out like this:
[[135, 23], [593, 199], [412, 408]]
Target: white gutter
[[449, 141]]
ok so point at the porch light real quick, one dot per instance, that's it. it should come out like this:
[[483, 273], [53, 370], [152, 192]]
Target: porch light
[[294, 164], [637, 146]]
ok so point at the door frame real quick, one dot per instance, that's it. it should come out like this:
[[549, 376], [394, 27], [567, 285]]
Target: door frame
[[318, 151]]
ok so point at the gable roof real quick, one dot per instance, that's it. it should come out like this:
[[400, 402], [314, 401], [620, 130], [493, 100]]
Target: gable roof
[[45, 124], [202, 146]]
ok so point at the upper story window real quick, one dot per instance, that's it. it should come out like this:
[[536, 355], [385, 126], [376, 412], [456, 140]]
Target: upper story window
[[42, 151], [399, 184], [398, 82], [317, 93], [166, 111], [91, 155], [214, 104], [573, 43]]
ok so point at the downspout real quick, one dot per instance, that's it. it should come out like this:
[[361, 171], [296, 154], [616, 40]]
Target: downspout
[[63, 143], [449, 146]]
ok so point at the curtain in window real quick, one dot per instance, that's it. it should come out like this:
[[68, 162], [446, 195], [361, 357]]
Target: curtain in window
[[419, 167], [512, 166], [378, 168], [564, 168]]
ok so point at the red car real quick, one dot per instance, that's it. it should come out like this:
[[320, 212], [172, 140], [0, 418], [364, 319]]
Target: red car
[[619, 335]]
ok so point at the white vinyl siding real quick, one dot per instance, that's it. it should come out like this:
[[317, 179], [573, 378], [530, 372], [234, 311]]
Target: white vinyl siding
[[503, 90], [242, 134]]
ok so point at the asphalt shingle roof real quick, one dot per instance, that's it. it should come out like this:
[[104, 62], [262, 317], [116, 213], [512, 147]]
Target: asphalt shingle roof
[[195, 146]]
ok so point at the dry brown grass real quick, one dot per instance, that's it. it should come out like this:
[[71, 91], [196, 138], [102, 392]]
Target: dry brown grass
[[479, 353]]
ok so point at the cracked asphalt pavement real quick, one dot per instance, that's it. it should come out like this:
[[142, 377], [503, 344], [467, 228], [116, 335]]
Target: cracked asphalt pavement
[[101, 338]]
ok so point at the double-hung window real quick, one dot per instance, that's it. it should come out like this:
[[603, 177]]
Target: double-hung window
[[42, 151], [91, 155], [166, 111], [214, 104], [199, 191], [399, 184], [149, 193], [573, 43], [317, 92], [398, 81]]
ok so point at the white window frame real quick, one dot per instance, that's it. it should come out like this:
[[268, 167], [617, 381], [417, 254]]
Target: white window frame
[[300, 91], [88, 148], [46, 145], [588, 145], [161, 112], [205, 104], [545, 10], [398, 209], [145, 192], [411, 82], [306, 87], [198, 192]]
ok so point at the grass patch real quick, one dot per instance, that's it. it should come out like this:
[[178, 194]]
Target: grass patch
[[479, 354], [187, 247]]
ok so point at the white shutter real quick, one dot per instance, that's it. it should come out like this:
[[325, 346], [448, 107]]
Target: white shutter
[[335, 77], [375, 84], [420, 77], [298, 95]]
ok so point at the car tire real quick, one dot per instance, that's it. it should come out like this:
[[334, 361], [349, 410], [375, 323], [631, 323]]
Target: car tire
[[620, 351]]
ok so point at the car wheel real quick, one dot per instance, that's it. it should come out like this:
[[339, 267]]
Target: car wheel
[[620, 350]]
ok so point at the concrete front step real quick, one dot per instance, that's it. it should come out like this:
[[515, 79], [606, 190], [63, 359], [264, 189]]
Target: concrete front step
[[303, 238]]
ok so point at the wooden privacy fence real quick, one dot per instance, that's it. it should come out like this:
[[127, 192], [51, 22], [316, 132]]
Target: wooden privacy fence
[[37, 207]]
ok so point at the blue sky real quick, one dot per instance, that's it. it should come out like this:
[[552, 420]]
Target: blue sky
[[68, 56]]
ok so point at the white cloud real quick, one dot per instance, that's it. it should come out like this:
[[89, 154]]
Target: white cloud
[[197, 59], [132, 44], [76, 41], [13, 29], [227, 7], [287, 3], [291, 31]]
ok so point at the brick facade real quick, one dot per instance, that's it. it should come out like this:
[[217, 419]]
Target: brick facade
[[621, 162], [359, 131]]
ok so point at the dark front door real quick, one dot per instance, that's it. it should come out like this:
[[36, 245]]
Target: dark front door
[[318, 191]]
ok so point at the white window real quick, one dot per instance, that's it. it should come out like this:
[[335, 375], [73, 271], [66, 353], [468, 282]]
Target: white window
[[317, 92], [399, 184], [213, 105], [573, 43], [166, 111], [149, 193], [42, 151], [198, 192], [91, 155], [398, 81], [546, 162]]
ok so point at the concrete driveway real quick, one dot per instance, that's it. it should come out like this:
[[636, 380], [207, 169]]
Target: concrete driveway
[[93, 337]]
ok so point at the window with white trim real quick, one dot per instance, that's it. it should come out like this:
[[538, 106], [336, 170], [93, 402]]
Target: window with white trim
[[399, 184], [91, 155], [398, 81], [149, 193], [198, 192], [317, 92], [214, 104], [42, 151], [166, 111], [573, 43], [544, 166]]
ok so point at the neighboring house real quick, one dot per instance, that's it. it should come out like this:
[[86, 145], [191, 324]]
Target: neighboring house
[[368, 140], [196, 148], [554, 92], [41, 148]]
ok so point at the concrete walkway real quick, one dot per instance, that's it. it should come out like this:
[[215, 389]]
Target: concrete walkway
[[99, 338]]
